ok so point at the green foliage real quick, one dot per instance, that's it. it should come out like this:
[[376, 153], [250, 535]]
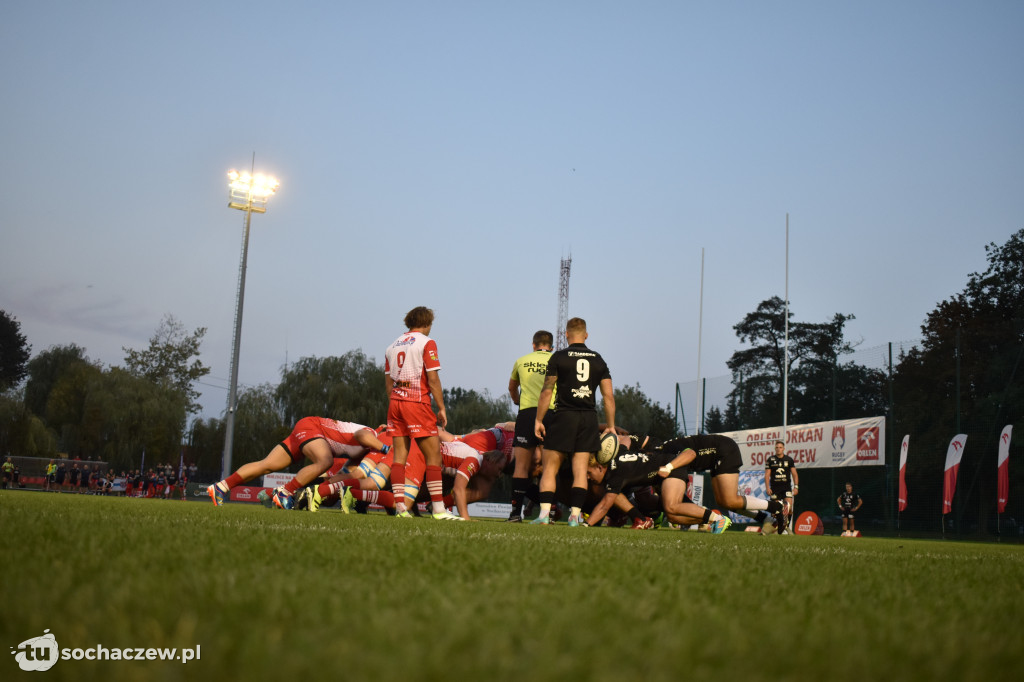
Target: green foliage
[[171, 361], [14, 351], [966, 375], [259, 425], [349, 387], [46, 369], [820, 386], [637, 413], [862, 609], [468, 410]]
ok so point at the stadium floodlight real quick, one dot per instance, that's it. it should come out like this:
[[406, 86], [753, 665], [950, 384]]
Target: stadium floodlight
[[247, 192]]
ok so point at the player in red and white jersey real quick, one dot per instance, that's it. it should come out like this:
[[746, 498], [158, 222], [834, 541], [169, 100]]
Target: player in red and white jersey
[[411, 377], [319, 440]]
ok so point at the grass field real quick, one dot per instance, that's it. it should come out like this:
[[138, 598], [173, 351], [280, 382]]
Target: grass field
[[302, 596]]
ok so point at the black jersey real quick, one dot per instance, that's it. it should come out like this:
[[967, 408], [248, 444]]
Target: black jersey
[[578, 372], [717, 454], [629, 469], [848, 500], [780, 471]]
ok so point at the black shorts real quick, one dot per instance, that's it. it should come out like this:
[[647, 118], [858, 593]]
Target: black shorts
[[526, 436], [847, 514], [782, 494], [728, 461], [570, 431]]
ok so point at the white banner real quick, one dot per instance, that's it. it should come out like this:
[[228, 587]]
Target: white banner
[[841, 443]]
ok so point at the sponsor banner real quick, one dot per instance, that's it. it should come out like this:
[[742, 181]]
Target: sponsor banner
[[246, 493], [953, 456], [903, 472], [1003, 468], [277, 480], [749, 483], [119, 485], [489, 510], [841, 443], [808, 523]]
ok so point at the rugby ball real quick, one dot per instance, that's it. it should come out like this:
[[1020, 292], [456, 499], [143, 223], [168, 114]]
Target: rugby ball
[[608, 448]]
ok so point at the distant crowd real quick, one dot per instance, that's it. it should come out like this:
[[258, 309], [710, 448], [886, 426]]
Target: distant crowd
[[163, 481]]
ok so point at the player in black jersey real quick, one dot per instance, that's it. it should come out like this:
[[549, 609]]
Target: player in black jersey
[[577, 373], [779, 472], [720, 456], [635, 467], [849, 502]]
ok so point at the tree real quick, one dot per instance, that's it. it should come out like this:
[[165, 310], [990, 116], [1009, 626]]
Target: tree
[[637, 413], [349, 387], [46, 369], [966, 375], [469, 410], [171, 361], [14, 352], [259, 424], [816, 378]]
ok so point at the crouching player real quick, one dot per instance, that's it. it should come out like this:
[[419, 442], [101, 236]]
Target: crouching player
[[638, 468], [720, 456], [317, 439]]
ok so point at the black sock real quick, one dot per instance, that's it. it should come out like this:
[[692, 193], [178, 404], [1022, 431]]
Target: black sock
[[707, 516], [577, 497], [519, 486]]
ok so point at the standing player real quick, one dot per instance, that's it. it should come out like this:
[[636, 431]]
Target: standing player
[[575, 374], [779, 470], [524, 387], [849, 502], [315, 438], [411, 366]]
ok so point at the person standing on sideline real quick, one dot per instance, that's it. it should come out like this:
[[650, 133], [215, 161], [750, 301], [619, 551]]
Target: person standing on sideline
[[849, 502], [574, 375], [779, 471], [411, 378], [524, 387]]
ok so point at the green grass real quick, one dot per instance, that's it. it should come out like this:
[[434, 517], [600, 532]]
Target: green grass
[[330, 596]]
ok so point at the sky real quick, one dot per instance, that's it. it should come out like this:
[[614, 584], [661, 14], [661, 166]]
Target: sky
[[451, 154]]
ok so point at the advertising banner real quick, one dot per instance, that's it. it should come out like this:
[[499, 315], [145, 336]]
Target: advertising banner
[[903, 472], [1003, 468], [840, 443], [953, 456]]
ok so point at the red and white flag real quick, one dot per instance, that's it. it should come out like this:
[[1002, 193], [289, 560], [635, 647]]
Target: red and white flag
[[1004, 467], [953, 455], [903, 472]]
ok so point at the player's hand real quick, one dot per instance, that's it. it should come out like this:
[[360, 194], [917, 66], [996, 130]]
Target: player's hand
[[538, 429], [664, 472], [442, 417]]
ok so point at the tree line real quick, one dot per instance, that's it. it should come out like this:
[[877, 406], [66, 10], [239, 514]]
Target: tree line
[[965, 376]]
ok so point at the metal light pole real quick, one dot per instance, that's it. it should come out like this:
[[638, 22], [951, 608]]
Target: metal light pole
[[249, 193]]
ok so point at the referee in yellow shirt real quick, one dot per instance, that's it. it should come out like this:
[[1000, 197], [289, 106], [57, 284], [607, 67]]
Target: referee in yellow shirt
[[524, 387]]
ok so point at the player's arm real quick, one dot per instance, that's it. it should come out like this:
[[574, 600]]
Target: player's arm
[[368, 439], [602, 508], [513, 390], [543, 402], [434, 385], [796, 480], [860, 501], [389, 384], [682, 459], [608, 398], [768, 480], [459, 493]]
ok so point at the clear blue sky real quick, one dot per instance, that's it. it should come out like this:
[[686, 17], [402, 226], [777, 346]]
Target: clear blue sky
[[449, 154]]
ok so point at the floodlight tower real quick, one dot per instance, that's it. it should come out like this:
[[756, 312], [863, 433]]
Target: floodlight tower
[[247, 192], [563, 302]]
